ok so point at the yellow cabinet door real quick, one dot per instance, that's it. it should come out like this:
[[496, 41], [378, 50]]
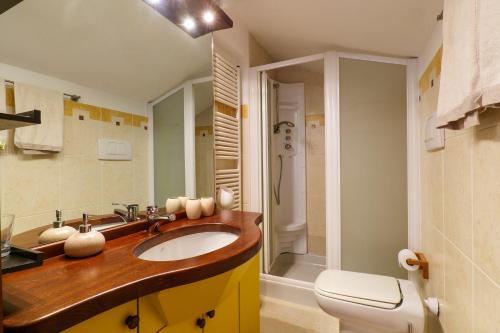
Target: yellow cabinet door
[[111, 321], [249, 289], [187, 326], [225, 318]]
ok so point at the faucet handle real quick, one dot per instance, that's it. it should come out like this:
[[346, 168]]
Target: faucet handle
[[152, 210]]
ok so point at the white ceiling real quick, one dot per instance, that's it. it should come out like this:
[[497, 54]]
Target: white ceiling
[[294, 28], [122, 47]]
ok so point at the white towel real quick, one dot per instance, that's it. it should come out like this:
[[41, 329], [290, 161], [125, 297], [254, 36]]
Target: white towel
[[470, 75], [48, 136], [3, 109], [459, 91], [489, 51]]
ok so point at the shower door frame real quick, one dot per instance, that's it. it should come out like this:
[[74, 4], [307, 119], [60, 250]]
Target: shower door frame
[[259, 197], [189, 136]]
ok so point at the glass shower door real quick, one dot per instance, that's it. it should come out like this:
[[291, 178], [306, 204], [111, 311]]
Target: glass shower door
[[374, 215]]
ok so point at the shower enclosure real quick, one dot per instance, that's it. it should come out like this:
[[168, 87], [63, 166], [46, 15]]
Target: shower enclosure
[[293, 250], [369, 151], [289, 173]]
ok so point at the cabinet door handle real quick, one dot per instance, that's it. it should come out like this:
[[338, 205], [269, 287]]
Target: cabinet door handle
[[200, 322], [132, 321], [211, 313]]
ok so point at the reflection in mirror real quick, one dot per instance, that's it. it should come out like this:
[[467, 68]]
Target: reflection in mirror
[[204, 138], [168, 137], [101, 151], [183, 142]]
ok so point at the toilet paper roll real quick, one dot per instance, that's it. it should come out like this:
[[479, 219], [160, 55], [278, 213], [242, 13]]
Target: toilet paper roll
[[407, 254]]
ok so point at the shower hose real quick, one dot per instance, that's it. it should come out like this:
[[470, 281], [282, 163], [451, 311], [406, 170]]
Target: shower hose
[[277, 193]]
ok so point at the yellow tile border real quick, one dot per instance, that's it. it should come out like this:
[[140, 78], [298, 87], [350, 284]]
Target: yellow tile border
[[316, 117], [432, 70], [9, 95], [244, 111], [95, 112]]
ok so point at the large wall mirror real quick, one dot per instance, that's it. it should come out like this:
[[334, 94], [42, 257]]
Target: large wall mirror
[[141, 130], [183, 145]]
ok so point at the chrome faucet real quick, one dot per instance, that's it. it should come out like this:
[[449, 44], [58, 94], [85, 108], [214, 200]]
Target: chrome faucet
[[155, 220], [130, 215]]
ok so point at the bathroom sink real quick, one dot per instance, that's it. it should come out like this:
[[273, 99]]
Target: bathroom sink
[[185, 246]]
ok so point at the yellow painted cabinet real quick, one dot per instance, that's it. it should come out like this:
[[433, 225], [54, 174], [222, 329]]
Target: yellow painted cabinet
[[226, 303], [111, 321], [225, 317]]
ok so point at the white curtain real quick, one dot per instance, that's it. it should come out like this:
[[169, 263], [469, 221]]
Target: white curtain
[[470, 76]]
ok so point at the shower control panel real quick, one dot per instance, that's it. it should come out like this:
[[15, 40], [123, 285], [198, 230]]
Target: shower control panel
[[288, 140]]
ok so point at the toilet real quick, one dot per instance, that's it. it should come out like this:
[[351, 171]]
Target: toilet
[[368, 303]]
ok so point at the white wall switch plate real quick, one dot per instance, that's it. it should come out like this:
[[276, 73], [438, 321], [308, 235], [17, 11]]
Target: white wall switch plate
[[114, 150]]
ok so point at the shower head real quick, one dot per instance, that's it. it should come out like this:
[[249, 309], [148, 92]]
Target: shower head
[[277, 127]]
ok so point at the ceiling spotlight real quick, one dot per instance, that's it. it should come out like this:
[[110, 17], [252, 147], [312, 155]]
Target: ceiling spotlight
[[208, 17], [189, 24], [153, 2]]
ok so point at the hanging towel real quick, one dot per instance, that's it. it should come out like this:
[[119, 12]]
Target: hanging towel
[[48, 136], [3, 109], [470, 72], [459, 92], [489, 51]]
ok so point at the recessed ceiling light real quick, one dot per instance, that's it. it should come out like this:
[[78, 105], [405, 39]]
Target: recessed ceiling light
[[189, 23], [208, 17], [153, 2]]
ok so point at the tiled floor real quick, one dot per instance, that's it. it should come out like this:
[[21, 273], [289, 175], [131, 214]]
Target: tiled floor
[[278, 316], [303, 267]]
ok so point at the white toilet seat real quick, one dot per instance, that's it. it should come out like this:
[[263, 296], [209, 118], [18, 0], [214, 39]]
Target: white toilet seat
[[365, 289], [370, 303]]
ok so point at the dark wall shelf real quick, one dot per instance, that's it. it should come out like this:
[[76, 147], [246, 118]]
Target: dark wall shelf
[[8, 121]]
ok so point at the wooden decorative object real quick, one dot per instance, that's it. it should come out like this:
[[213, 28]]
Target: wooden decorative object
[[422, 263]]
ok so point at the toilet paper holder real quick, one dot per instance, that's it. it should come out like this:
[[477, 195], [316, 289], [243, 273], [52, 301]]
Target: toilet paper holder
[[422, 264]]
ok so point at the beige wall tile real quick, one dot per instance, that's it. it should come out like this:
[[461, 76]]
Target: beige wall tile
[[458, 191], [487, 200], [433, 247], [26, 223], [80, 136], [31, 185], [117, 184], [316, 245], [432, 192], [35, 186], [81, 182], [486, 304], [471, 172], [457, 307]]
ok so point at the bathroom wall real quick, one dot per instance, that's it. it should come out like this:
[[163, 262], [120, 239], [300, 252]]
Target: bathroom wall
[[89, 95], [315, 150], [33, 187], [204, 143], [460, 218]]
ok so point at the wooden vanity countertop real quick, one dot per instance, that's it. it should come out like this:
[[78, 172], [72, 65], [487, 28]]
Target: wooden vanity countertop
[[65, 291]]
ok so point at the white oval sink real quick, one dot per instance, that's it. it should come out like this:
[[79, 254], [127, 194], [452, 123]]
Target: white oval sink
[[188, 246]]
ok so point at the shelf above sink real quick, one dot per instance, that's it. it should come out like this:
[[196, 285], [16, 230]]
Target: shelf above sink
[[8, 121]]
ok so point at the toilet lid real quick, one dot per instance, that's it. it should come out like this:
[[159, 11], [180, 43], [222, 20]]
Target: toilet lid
[[366, 289]]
